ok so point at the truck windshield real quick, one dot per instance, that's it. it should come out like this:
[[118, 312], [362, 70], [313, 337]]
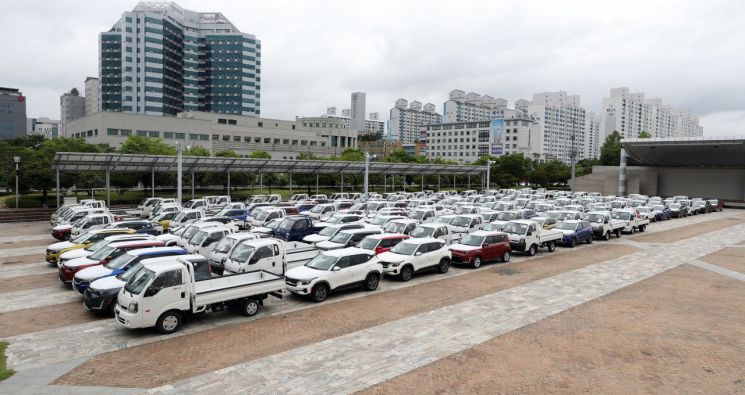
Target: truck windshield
[[263, 215], [471, 240], [102, 253], [493, 226], [179, 217], [421, 231], [620, 215], [130, 272], [515, 228], [119, 262], [596, 218], [224, 245], [190, 232], [341, 238], [321, 262], [404, 248], [242, 252], [317, 209], [566, 226], [137, 283], [199, 238]]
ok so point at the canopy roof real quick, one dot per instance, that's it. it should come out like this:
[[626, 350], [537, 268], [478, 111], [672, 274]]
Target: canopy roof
[[687, 152], [85, 161]]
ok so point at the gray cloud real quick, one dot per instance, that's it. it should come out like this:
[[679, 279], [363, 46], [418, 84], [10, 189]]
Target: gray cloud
[[316, 53]]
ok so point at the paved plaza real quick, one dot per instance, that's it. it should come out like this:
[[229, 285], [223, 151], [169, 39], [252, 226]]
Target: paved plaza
[[659, 311]]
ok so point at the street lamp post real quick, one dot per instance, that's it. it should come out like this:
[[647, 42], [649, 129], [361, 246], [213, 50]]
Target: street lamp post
[[17, 160], [367, 172], [179, 158], [488, 174]]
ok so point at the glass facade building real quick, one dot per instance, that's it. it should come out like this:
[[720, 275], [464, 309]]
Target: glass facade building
[[160, 59]]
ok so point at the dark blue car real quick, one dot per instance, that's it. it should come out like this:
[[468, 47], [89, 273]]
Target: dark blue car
[[662, 212], [295, 228], [238, 215], [138, 225], [575, 231]]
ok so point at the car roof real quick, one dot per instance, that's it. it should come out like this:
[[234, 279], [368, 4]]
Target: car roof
[[129, 236], [340, 252], [360, 230], [524, 221], [111, 230], [384, 236], [486, 233], [421, 240], [135, 243], [157, 250], [404, 220]]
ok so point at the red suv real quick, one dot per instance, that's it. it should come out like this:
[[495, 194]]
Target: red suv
[[112, 250], [481, 246], [381, 243]]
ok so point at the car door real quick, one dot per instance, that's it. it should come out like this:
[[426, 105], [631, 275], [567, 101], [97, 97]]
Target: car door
[[490, 250], [421, 258], [345, 274], [586, 230], [358, 268], [166, 292], [431, 256]]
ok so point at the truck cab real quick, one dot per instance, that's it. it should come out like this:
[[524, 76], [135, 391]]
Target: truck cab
[[185, 217], [91, 222], [527, 237], [433, 230], [197, 204], [205, 240], [224, 247]]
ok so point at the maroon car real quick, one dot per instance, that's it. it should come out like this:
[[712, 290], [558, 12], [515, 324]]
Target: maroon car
[[481, 246], [716, 204]]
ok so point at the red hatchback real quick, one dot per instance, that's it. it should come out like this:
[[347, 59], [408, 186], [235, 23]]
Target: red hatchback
[[381, 243], [481, 246]]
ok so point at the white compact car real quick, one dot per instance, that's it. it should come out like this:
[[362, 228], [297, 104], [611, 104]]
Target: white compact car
[[414, 255]]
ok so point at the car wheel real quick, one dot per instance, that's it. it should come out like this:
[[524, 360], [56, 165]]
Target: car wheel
[[372, 281], [320, 292], [168, 322], [551, 246], [444, 265], [110, 309], [607, 236], [406, 273], [476, 262], [589, 240], [249, 307], [532, 250], [506, 256], [573, 242]]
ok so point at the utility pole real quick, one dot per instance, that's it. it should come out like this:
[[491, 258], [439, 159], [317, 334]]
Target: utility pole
[[17, 160]]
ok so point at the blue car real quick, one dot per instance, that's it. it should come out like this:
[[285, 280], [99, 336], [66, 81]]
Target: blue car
[[575, 231], [238, 215], [662, 212], [120, 264], [138, 225], [295, 228]]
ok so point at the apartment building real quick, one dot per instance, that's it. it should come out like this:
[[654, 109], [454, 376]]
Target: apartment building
[[407, 119]]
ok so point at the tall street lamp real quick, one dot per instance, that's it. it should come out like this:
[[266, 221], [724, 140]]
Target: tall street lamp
[[179, 160], [17, 160], [367, 172], [488, 174]]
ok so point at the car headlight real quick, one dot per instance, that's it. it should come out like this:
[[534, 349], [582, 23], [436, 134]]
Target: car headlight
[[396, 264], [132, 308]]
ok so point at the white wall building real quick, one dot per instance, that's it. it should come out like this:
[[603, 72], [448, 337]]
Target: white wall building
[[630, 113], [561, 123], [406, 120], [71, 107], [49, 128], [357, 118], [462, 107], [91, 95]]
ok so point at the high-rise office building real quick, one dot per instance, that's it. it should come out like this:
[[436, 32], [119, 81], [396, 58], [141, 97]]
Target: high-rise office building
[[160, 59], [71, 107], [12, 113], [406, 120], [630, 113], [357, 118], [91, 96]]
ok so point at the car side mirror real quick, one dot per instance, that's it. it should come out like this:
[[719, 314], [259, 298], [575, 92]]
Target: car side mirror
[[151, 292], [418, 253], [335, 269]]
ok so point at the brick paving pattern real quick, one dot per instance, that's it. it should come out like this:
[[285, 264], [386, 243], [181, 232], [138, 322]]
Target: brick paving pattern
[[732, 258], [38, 319], [619, 341], [30, 281], [678, 234]]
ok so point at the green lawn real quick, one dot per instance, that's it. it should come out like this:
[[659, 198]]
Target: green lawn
[[4, 371]]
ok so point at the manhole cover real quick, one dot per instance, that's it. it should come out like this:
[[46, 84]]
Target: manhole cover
[[506, 271]]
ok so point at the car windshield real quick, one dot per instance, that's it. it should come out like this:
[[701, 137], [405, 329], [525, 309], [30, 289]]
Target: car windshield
[[421, 231], [506, 216], [198, 238], [274, 224], [616, 204], [322, 262], [713, 202], [563, 216], [404, 248], [460, 221], [286, 223], [699, 203], [379, 220], [493, 226], [225, 244], [137, 283], [644, 209], [674, 206], [419, 214], [335, 219], [317, 209], [242, 252], [566, 226], [102, 253], [119, 262], [515, 228], [190, 232], [368, 243], [471, 240], [658, 207], [328, 231], [341, 238], [596, 218], [395, 227], [542, 207], [262, 215], [81, 238]]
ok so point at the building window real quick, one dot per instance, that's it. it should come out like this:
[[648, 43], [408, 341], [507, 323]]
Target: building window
[[247, 139], [267, 140], [167, 135], [257, 140], [276, 141], [112, 132], [225, 138], [180, 136], [153, 133], [125, 132], [286, 141], [222, 121], [142, 133], [237, 138], [232, 122], [261, 124]]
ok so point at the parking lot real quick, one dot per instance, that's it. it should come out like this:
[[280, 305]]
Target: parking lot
[[656, 311]]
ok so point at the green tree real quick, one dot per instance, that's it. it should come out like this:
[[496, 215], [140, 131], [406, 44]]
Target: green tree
[[516, 165], [146, 145], [74, 92], [307, 156], [352, 155], [610, 152], [644, 134], [197, 151], [227, 154], [260, 155]]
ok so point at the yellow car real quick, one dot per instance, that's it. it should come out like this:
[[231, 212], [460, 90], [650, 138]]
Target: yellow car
[[164, 220], [81, 241], [545, 222]]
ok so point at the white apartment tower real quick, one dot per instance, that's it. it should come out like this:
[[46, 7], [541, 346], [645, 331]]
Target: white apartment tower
[[462, 107], [406, 120], [562, 125], [630, 113]]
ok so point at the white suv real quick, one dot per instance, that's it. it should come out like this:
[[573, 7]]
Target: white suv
[[413, 255], [334, 270]]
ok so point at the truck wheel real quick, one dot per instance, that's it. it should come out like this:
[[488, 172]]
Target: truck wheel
[[406, 273], [444, 265], [551, 246], [320, 292], [606, 237], [168, 322], [618, 234], [531, 250], [633, 230], [506, 257], [573, 242], [642, 228], [476, 262], [249, 307], [372, 281]]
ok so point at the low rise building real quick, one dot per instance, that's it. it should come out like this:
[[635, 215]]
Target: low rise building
[[49, 128], [219, 132]]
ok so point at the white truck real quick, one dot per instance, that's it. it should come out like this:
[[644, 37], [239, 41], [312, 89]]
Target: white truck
[[185, 217], [603, 225], [163, 294], [148, 210], [224, 247], [91, 222], [436, 231], [271, 255], [527, 237], [634, 220], [206, 239]]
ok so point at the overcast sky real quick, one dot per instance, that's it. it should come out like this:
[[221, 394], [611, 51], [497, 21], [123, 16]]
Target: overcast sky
[[315, 53]]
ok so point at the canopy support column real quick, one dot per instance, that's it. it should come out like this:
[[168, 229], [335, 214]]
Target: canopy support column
[[192, 184], [469, 181], [228, 183], [58, 191], [438, 183], [261, 183], [342, 182], [422, 182], [316, 183], [290, 176], [152, 182], [108, 193], [385, 182]]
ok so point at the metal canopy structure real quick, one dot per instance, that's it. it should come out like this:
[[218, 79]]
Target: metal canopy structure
[[85, 161], [689, 152]]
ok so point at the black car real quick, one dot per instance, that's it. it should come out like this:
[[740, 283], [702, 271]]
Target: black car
[[139, 225], [701, 207]]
